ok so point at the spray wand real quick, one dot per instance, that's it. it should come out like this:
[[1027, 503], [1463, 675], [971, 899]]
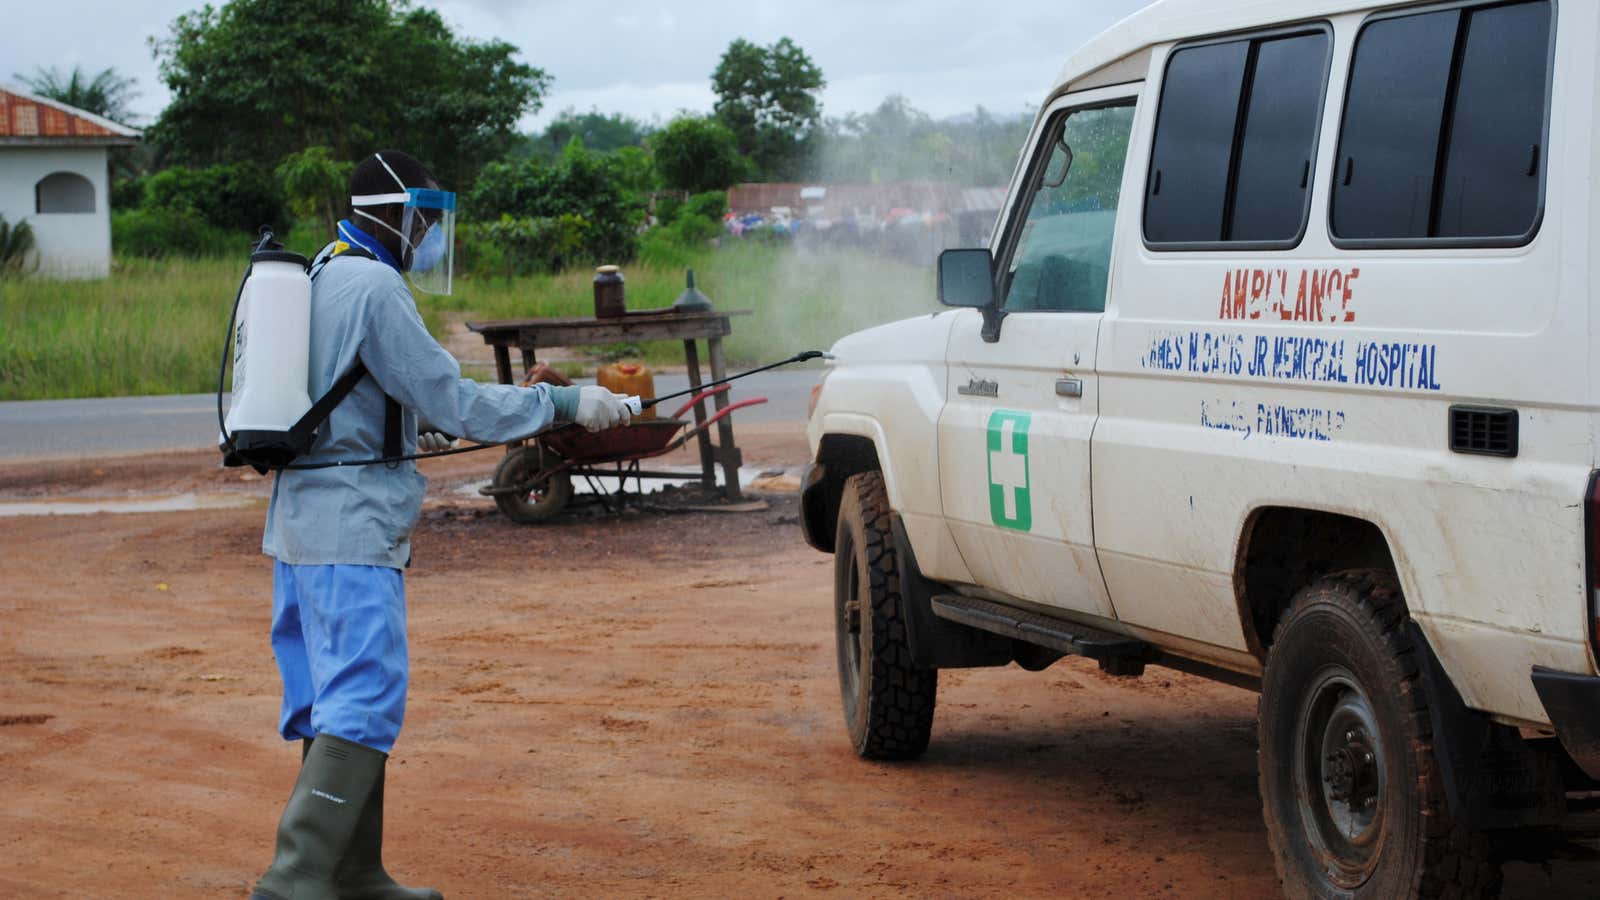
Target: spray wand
[[636, 405]]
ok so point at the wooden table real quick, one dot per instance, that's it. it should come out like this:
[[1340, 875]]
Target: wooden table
[[527, 335]]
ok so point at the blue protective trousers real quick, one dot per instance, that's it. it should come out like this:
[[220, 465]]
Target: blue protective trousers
[[339, 633]]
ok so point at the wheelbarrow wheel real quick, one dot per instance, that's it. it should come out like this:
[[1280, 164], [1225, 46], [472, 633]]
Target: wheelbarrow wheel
[[544, 498]]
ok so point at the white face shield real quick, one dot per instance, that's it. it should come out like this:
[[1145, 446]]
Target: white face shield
[[427, 231]]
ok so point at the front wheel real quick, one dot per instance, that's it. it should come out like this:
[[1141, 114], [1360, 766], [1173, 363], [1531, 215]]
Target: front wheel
[[888, 699], [535, 499], [1351, 791]]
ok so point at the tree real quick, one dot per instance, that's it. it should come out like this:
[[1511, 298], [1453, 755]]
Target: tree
[[768, 97], [260, 79], [105, 93], [317, 186], [697, 154], [634, 171], [601, 132]]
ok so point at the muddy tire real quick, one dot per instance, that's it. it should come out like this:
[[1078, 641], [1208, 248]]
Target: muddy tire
[[1351, 791], [888, 700], [542, 500]]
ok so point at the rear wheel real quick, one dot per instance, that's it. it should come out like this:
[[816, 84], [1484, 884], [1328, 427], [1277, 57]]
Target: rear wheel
[[888, 700], [1350, 787], [533, 501]]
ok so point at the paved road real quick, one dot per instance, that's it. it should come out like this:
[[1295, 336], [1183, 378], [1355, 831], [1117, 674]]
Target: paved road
[[124, 425]]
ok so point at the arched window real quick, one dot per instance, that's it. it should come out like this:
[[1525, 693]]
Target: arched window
[[63, 192]]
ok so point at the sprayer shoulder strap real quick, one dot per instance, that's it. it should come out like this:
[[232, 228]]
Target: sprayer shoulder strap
[[320, 410], [353, 251]]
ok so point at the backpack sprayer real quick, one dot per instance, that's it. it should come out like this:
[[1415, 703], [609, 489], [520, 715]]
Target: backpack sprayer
[[272, 421]]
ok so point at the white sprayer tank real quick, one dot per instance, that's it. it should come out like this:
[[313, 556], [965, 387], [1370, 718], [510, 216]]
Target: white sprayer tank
[[271, 354]]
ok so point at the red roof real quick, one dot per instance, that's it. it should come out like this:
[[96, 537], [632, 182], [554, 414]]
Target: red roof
[[25, 118]]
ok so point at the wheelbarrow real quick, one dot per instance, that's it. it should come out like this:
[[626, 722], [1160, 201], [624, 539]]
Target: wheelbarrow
[[534, 482]]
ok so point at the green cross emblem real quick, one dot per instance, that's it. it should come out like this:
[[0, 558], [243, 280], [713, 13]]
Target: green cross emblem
[[1010, 500]]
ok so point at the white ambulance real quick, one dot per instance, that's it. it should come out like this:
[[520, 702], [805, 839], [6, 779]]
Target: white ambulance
[[1277, 369]]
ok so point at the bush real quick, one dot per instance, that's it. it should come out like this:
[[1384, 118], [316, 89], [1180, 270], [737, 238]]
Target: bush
[[634, 170], [579, 184], [685, 226], [701, 217], [127, 193], [668, 208], [160, 233], [16, 248], [690, 231], [712, 205], [240, 197], [524, 246]]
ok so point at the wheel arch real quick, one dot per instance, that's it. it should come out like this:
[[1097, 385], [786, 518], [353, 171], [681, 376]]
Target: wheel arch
[[1281, 548], [849, 444]]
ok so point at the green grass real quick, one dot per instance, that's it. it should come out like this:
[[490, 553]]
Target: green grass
[[155, 326]]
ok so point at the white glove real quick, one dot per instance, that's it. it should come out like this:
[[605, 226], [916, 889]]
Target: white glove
[[599, 409], [433, 442]]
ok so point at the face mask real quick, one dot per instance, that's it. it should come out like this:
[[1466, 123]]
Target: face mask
[[429, 252]]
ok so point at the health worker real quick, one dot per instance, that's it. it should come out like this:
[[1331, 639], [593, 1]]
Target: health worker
[[341, 537]]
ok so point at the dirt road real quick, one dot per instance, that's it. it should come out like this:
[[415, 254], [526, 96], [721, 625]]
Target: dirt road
[[636, 706]]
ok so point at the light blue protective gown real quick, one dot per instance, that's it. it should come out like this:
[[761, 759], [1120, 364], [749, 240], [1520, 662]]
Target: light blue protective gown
[[342, 536]]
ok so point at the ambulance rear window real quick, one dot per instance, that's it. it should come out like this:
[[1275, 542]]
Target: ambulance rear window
[[1444, 127]]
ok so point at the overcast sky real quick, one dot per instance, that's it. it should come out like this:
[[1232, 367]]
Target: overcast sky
[[652, 59]]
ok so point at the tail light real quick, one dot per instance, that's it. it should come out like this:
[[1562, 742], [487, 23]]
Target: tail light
[[1591, 544]]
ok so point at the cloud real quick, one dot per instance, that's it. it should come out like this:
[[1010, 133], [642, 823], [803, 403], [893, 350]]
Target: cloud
[[94, 35], [660, 102], [650, 59]]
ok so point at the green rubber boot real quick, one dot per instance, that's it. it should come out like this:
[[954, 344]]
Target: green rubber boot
[[320, 820], [361, 876]]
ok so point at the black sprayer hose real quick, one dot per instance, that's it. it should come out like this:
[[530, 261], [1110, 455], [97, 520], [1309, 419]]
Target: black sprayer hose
[[338, 464]]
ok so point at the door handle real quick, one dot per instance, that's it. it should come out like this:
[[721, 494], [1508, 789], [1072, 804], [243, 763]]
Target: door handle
[[1069, 387]]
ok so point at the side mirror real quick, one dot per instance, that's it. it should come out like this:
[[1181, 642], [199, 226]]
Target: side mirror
[[966, 278]]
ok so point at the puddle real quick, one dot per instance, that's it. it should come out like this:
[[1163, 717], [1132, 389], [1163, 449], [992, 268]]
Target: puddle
[[96, 505]]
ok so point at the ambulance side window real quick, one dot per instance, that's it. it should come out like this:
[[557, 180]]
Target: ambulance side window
[[1061, 256], [1444, 127]]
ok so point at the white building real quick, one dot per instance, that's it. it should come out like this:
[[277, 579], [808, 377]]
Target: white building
[[53, 175]]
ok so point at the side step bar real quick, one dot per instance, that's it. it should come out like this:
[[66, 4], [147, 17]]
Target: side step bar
[[1036, 628]]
